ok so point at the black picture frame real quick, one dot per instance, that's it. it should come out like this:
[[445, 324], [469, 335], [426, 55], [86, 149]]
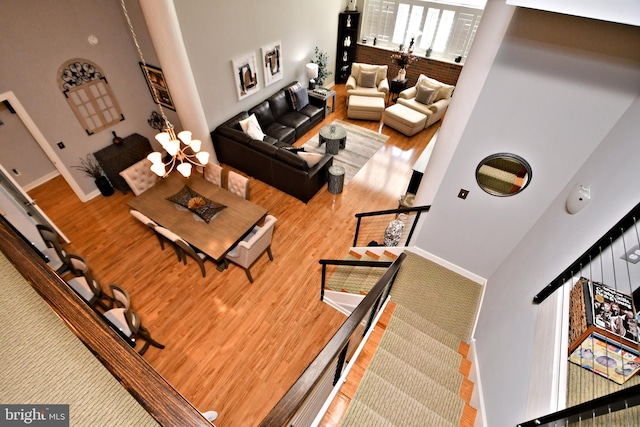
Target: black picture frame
[[159, 84]]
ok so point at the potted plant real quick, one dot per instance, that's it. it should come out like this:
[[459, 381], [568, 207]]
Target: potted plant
[[90, 166], [402, 59], [322, 60]]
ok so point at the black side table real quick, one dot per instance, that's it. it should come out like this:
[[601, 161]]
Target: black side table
[[395, 88]]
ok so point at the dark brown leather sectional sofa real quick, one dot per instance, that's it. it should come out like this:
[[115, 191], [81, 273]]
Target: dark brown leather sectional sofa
[[269, 160]]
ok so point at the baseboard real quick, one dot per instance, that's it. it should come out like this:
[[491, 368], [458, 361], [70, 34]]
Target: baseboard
[[40, 181], [477, 399], [453, 267]]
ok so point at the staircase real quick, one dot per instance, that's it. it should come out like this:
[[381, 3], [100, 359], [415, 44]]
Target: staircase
[[419, 372]]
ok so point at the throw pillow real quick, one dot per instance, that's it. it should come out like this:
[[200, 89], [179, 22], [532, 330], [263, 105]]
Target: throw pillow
[[200, 205], [368, 78], [251, 127], [299, 96], [312, 159], [425, 95]]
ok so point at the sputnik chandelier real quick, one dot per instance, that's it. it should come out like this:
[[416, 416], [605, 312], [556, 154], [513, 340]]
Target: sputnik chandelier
[[181, 151]]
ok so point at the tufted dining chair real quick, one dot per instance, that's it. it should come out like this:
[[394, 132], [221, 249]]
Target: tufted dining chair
[[238, 184], [183, 248], [247, 251], [214, 174], [123, 317], [139, 176]]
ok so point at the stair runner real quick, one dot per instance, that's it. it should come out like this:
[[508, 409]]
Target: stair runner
[[419, 370], [358, 280]]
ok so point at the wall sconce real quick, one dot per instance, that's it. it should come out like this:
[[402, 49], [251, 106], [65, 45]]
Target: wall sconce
[[312, 73], [579, 197]]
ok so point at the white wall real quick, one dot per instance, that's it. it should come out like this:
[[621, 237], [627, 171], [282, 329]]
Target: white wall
[[558, 97]]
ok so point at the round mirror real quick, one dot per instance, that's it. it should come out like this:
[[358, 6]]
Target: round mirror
[[503, 174]]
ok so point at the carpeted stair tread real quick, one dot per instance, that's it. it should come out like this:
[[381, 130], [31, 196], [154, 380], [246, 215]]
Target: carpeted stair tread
[[354, 279], [360, 415], [339, 275], [426, 326], [442, 369], [418, 337], [395, 405], [419, 386], [438, 294]]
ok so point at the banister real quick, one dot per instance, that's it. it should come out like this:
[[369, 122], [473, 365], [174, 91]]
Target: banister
[[293, 399], [417, 209], [141, 380]]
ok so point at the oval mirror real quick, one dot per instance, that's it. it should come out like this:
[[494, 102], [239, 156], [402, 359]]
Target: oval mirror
[[503, 174]]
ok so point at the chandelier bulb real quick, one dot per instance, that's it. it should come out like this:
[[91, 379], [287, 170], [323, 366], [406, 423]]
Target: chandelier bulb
[[203, 157], [185, 137], [196, 144], [184, 169]]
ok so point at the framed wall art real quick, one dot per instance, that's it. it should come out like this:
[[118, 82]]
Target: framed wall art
[[246, 75], [156, 81], [272, 62]]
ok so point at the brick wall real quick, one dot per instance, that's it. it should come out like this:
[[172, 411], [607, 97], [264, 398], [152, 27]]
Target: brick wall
[[442, 71]]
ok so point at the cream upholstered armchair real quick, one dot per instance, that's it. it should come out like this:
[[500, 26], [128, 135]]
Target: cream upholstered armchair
[[139, 176], [253, 245], [368, 80], [429, 97]]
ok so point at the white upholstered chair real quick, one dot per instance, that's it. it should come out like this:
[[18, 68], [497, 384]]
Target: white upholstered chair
[[139, 176], [238, 184], [429, 97], [367, 80], [149, 223], [253, 245], [183, 248], [213, 174], [123, 317]]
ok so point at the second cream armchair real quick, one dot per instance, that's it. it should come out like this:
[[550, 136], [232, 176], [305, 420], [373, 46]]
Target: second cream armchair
[[362, 81]]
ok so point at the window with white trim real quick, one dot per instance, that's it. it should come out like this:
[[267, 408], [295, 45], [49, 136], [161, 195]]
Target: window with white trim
[[447, 28]]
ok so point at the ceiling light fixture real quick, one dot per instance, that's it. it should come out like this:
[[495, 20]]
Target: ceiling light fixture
[[182, 151]]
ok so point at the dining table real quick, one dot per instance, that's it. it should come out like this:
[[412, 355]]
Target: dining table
[[215, 238]]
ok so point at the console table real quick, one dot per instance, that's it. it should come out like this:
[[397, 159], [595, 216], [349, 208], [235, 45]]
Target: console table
[[115, 158]]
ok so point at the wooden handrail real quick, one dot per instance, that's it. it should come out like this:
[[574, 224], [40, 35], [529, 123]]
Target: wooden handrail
[[144, 383], [287, 407]]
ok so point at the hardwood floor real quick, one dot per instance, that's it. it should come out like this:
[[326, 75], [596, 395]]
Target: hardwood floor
[[232, 346]]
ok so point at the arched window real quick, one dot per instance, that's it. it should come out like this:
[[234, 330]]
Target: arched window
[[87, 91]]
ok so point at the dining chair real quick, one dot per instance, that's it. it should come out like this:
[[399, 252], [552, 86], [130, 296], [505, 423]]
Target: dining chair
[[85, 284], [238, 184], [253, 245], [183, 248], [213, 173], [56, 254], [149, 223], [139, 176], [123, 317]]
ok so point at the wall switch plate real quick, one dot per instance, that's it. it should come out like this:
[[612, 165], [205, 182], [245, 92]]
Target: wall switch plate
[[632, 255], [61, 145], [463, 193]]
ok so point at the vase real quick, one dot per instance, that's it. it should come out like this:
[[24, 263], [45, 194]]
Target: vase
[[105, 187], [393, 233], [402, 73]]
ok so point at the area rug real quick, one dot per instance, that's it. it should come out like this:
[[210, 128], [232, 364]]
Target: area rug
[[361, 145]]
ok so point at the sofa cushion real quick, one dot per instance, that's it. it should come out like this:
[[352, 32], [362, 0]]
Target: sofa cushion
[[264, 114], [368, 78], [251, 127], [312, 159], [298, 96], [281, 132], [445, 90], [425, 95], [293, 119], [292, 159], [263, 147]]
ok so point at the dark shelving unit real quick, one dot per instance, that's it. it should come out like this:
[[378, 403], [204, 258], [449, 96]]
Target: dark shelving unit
[[348, 24]]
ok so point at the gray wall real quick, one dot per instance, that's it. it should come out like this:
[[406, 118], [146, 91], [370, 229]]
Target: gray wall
[[39, 36], [563, 93], [215, 32]]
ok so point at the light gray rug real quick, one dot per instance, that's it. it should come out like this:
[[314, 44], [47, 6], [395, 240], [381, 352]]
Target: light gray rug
[[361, 145]]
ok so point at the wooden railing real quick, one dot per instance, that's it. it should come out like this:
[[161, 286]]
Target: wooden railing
[[377, 229], [304, 398], [151, 390]]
